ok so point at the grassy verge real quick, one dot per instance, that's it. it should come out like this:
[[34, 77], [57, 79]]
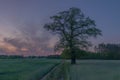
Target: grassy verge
[[60, 72]]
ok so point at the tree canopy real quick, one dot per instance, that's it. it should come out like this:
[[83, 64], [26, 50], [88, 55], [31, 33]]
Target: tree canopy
[[73, 29]]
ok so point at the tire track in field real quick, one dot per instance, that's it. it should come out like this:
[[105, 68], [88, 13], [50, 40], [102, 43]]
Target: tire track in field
[[50, 71]]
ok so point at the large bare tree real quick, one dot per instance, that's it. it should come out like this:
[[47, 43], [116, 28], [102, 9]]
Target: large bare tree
[[73, 29]]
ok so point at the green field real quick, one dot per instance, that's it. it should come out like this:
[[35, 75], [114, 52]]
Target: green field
[[35, 69], [25, 69], [95, 70]]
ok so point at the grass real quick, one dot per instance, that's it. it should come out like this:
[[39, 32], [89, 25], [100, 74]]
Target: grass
[[59, 72], [25, 69], [95, 70], [35, 69]]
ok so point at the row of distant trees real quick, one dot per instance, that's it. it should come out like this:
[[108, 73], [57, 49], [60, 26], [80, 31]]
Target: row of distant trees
[[102, 51], [110, 51], [27, 57], [10, 56], [18, 57]]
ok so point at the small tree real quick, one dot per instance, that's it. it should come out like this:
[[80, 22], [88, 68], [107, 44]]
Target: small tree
[[73, 29]]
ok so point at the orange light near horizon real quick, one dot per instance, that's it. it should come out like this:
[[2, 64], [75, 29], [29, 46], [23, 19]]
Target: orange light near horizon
[[11, 49], [24, 49], [8, 47]]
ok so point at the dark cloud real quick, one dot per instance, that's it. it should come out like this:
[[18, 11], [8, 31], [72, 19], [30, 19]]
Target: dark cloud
[[31, 40]]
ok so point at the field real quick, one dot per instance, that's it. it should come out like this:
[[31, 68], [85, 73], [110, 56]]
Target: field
[[95, 70], [46, 69], [25, 69]]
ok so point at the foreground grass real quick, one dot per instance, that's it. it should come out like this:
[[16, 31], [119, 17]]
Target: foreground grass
[[25, 69], [36, 69], [95, 70], [60, 72]]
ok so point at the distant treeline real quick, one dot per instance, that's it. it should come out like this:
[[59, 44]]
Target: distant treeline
[[10, 56], [102, 51], [21, 57]]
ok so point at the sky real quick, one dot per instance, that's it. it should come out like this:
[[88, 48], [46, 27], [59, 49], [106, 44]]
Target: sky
[[22, 21]]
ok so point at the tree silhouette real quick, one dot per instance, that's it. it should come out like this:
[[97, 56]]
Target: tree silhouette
[[111, 50], [73, 29]]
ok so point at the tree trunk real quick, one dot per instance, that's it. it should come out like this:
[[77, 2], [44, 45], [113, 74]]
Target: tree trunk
[[73, 57], [73, 60], [72, 52]]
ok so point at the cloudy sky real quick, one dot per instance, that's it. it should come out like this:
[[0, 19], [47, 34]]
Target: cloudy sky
[[21, 23]]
